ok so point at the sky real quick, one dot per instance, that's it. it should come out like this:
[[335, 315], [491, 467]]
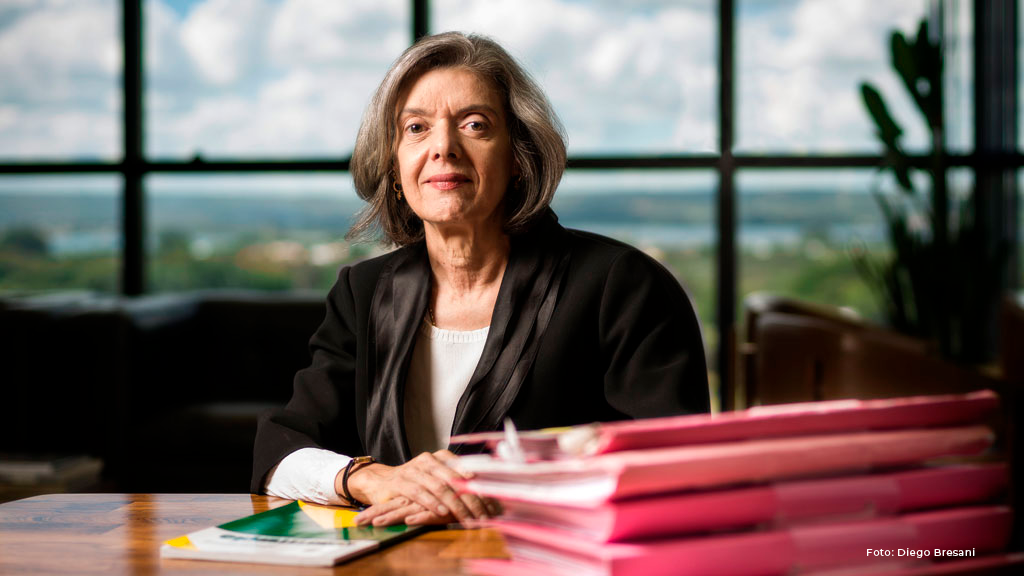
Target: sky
[[290, 78]]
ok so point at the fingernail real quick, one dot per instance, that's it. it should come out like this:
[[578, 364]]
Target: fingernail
[[442, 510]]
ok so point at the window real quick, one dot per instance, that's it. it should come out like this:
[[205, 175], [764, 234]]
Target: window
[[60, 98], [623, 78], [796, 231], [800, 65], [59, 232], [721, 136], [666, 213], [264, 79], [264, 231]]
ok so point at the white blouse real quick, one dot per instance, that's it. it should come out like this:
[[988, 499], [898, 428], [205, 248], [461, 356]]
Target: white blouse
[[443, 361]]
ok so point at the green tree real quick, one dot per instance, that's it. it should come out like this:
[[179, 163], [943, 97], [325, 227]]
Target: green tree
[[25, 240]]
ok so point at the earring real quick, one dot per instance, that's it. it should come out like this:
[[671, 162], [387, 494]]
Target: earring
[[396, 186]]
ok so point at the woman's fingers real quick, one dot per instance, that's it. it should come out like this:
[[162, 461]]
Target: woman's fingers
[[446, 457], [370, 514], [424, 492], [467, 505], [398, 516], [425, 517], [398, 511]]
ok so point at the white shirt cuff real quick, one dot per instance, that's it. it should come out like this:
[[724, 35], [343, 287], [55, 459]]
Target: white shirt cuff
[[307, 474]]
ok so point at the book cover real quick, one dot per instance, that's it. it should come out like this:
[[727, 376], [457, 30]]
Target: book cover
[[909, 539], [803, 418], [620, 475], [298, 534], [778, 505]]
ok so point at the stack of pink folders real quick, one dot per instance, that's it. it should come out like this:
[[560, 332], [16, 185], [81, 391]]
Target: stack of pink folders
[[808, 488]]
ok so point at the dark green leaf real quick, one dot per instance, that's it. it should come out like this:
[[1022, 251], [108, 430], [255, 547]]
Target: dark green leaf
[[888, 130]]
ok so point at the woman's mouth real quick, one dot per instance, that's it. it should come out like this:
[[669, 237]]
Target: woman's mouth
[[447, 181]]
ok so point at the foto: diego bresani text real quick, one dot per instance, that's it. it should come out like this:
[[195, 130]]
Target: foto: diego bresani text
[[908, 553]]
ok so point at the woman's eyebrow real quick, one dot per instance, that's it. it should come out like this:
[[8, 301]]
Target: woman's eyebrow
[[460, 112], [476, 108], [412, 112]]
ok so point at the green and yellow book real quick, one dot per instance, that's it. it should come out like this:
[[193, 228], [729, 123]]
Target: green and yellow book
[[297, 534]]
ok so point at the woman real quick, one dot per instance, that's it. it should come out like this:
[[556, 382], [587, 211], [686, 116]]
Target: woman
[[490, 309]]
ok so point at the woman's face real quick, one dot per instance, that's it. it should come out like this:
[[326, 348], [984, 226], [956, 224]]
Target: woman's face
[[454, 153]]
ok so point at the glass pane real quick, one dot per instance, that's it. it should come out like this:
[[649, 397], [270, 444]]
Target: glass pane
[[60, 97], [59, 233], [623, 76], [958, 76], [267, 78], [260, 231], [800, 64], [797, 231], [668, 214]]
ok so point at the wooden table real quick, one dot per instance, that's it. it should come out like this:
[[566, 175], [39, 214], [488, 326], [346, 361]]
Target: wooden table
[[113, 534]]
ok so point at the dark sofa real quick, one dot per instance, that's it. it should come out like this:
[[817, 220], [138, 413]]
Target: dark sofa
[[164, 388]]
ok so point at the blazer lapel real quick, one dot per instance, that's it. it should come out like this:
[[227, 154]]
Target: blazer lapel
[[399, 304], [526, 301]]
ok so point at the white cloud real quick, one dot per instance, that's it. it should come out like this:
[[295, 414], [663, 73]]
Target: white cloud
[[313, 32], [34, 135], [320, 63], [292, 77], [621, 79], [60, 54], [165, 53], [60, 63], [301, 113], [224, 38], [800, 69], [8, 117]]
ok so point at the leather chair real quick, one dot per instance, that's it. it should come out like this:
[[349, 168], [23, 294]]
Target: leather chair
[[203, 376], [166, 389]]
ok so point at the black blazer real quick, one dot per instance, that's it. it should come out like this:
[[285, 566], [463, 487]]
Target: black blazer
[[584, 329]]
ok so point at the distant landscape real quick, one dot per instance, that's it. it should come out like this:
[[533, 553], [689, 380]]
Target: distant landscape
[[794, 243], [791, 243]]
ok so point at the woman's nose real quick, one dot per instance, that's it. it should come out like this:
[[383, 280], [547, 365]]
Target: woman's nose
[[445, 144]]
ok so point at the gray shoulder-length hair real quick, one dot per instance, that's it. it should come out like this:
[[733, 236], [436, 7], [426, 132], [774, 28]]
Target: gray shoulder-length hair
[[538, 139]]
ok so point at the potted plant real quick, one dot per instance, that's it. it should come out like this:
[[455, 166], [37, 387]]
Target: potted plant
[[940, 270]]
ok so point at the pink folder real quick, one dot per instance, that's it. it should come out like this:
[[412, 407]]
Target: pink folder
[[977, 530], [758, 422], [991, 565], [620, 475], [781, 504]]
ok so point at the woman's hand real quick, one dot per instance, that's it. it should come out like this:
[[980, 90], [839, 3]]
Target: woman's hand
[[417, 492], [401, 510]]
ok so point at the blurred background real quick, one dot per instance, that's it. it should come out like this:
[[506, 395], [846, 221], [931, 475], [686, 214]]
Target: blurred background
[[165, 158]]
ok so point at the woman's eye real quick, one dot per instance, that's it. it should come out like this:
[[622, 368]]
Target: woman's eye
[[414, 128], [475, 126]]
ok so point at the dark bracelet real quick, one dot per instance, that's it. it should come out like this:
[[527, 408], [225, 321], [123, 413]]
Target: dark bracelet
[[350, 469]]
